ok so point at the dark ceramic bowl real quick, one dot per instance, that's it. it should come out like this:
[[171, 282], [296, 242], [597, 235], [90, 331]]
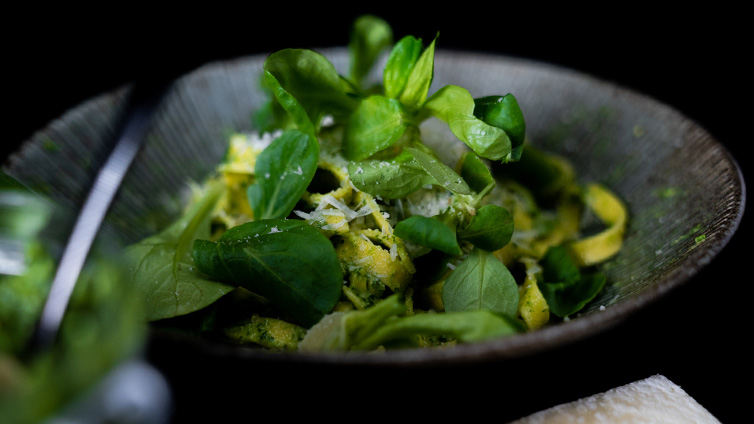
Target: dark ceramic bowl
[[685, 193]]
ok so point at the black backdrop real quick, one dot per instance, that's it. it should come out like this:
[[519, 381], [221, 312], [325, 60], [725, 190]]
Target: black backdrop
[[690, 59]]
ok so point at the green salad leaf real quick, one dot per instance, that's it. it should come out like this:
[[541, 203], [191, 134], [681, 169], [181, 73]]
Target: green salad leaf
[[490, 229], [419, 79], [481, 282], [455, 106], [566, 289], [376, 124], [392, 179], [400, 63], [370, 36], [163, 270], [289, 262], [429, 232], [503, 112], [475, 172], [296, 115], [312, 80], [283, 171], [442, 174]]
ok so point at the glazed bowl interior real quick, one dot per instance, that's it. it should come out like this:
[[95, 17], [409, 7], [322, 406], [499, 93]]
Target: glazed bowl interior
[[681, 215]]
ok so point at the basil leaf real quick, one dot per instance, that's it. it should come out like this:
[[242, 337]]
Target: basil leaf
[[565, 289], [162, 268], [475, 172], [376, 124], [370, 35], [429, 232], [490, 229], [480, 282], [389, 179], [442, 174], [455, 106], [503, 112], [420, 79], [399, 65], [312, 80], [289, 262], [283, 171]]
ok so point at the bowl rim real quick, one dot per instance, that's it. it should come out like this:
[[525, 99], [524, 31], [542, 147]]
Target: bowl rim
[[557, 334]]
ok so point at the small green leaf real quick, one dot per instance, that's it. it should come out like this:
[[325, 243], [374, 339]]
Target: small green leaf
[[370, 36], [420, 79], [475, 172], [455, 106], [283, 171], [289, 262], [399, 65], [296, 113], [376, 124], [442, 174], [429, 232], [481, 282], [566, 299], [503, 112], [565, 288], [490, 229], [558, 266], [389, 179], [312, 80]]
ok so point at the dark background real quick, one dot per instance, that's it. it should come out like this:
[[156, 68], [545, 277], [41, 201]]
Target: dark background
[[691, 59]]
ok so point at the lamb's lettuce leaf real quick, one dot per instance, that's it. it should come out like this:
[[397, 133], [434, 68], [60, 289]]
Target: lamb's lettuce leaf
[[429, 232], [312, 80], [376, 124], [400, 63], [370, 36], [481, 282], [476, 174], [490, 228], [455, 106], [504, 112], [295, 114], [565, 288], [283, 171], [419, 79], [442, 174], [391, 179]]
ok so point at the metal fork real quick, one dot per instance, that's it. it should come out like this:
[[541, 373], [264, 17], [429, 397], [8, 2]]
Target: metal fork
[[143, 102]]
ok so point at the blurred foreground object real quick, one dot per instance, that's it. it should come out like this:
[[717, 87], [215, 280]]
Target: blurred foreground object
[[102, 334]]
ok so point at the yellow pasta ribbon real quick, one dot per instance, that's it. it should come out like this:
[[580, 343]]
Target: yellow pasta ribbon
[[603, 245]]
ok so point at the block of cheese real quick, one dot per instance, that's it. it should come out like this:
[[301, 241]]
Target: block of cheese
[[653, 400]]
